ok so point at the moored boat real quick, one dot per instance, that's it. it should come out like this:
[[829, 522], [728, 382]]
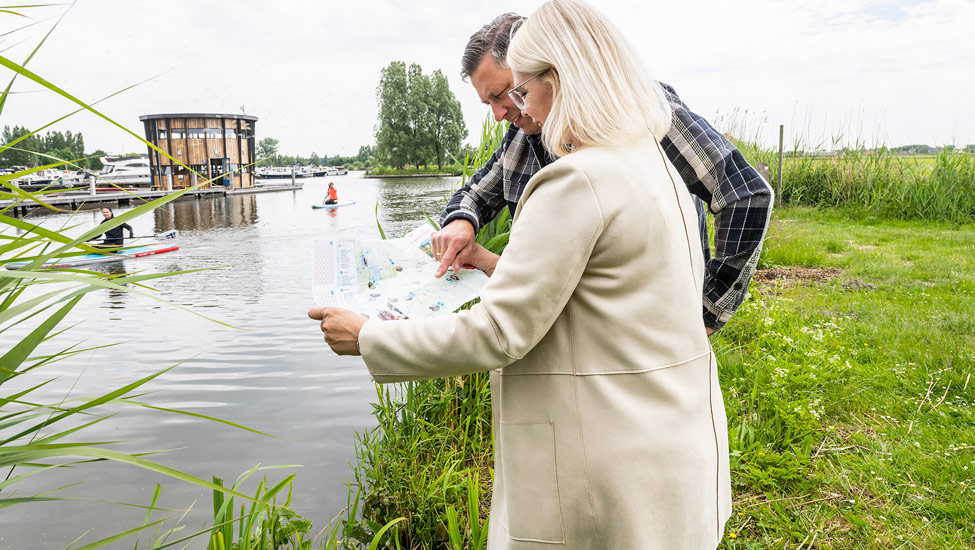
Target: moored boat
[[125, 171]]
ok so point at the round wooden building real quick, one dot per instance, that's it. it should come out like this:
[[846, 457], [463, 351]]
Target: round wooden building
[[217, 147]]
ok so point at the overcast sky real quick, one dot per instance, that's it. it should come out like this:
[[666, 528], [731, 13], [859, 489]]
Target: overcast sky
[[895, 72]]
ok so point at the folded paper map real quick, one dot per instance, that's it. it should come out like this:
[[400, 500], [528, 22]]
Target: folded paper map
[[390, 279]]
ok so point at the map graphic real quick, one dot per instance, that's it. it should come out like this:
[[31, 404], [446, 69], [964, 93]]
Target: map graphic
[[390, 279]]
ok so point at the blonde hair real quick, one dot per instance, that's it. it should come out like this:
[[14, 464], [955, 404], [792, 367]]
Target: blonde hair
[[601, 92]]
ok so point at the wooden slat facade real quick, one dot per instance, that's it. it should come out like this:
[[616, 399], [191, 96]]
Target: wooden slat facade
[[217, 147]]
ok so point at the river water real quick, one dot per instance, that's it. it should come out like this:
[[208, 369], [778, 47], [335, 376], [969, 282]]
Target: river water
[[270, 370]]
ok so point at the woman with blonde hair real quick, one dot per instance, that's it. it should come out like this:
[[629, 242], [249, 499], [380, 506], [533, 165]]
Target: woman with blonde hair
[[609, 426]]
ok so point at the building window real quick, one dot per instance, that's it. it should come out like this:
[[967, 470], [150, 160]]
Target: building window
[[214, 133], [200, 169], [177, 133], [231, 133], [163, 134], [197, 133]]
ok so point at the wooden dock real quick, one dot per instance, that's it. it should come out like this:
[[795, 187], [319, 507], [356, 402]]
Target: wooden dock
[[82, 200]]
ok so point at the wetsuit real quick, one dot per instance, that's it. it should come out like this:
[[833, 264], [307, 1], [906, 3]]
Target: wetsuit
[[113, 237]]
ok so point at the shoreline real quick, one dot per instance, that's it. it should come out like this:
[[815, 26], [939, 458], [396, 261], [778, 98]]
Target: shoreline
[[391, 176]]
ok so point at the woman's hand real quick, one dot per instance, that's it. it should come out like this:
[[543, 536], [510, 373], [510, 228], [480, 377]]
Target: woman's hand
[[341, 328]]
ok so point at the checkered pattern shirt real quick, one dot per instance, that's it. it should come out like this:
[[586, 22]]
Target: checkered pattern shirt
[[713, 170]]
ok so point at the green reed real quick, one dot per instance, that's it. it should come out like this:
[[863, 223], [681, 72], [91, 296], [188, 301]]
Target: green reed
[[874, 182]]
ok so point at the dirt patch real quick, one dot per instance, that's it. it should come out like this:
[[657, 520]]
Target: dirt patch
[[789, 276]]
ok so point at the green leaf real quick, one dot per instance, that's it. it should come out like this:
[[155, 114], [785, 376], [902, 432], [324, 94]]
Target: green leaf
[[21, 350]]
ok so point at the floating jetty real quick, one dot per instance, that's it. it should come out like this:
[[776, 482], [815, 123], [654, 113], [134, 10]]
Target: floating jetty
[[84, 200]]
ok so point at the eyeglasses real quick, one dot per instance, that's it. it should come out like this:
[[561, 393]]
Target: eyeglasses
[[518, 98]]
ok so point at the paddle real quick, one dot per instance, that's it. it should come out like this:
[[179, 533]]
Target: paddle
[[171, 234]]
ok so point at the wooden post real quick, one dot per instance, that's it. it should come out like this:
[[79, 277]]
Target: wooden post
[[778, 191], [292, 175]]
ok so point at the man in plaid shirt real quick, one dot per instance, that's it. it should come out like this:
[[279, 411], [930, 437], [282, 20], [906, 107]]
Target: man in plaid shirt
[[711, 167]]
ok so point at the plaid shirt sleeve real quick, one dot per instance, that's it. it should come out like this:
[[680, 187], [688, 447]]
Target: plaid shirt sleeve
[[735, 193], [482, 199]]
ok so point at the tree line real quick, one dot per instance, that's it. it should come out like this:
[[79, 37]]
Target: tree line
[[420, 120], [66, 146], [268, 155]]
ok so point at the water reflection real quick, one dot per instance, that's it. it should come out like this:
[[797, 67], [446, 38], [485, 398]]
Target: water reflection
[[400, 200], [114, 298], [207, 213]]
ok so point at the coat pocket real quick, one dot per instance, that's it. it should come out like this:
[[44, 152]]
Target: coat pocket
[[531, 482]]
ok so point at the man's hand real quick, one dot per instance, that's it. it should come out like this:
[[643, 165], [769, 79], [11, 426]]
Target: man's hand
[[453, 245], [483, 259], [341, 328]]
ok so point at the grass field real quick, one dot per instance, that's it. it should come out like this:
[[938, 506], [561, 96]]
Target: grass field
[[848, 381]]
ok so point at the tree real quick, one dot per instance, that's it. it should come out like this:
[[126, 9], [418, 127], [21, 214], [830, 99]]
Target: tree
[[65, 146], [420, 120], [365, 152], [19, 154], [447, 119], [393, 129], [419, 94], [94, 161], [267, 147], [313, 159]]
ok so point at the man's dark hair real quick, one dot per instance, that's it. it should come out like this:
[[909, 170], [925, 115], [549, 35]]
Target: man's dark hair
[[492, 38]]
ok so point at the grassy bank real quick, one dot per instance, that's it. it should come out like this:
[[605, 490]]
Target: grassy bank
[[847, 376], [453, 170]]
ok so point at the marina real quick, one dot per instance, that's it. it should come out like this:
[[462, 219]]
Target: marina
[[108, 196]]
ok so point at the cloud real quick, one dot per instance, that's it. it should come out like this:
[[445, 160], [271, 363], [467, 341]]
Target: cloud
[[309, 69]]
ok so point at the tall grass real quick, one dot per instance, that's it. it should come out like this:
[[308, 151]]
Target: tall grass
[[879, 182], [864, 180]]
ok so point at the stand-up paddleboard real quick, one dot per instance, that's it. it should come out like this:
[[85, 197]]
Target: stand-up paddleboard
[[149, 249], [336, 205]]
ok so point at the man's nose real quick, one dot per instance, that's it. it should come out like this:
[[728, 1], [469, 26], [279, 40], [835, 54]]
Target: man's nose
[[499, 111]]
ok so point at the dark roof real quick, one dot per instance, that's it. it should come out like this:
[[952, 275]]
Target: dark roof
[[198, 115]]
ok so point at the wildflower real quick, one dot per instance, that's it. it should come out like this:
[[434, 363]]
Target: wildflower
[[732, 535]]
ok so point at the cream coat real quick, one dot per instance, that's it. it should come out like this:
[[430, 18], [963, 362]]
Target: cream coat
[[610, 430]]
